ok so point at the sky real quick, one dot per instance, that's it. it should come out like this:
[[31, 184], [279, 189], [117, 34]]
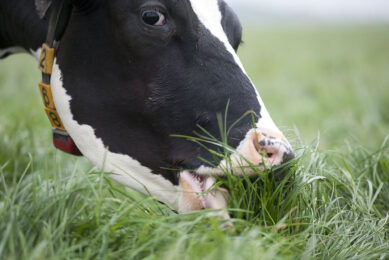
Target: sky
[[357, 10]]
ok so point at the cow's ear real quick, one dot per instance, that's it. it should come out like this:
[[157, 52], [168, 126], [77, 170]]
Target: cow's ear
[[231, 25], [42, 6]]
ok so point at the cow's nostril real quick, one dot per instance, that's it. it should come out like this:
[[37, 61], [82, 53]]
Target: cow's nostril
[[288, 156], [271, 148], [262, 147]]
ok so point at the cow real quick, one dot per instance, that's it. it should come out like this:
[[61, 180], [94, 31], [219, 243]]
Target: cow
[[130, 75]]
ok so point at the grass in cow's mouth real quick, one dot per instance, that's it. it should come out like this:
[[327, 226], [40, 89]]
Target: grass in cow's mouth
[[334, 206], [265, 196]]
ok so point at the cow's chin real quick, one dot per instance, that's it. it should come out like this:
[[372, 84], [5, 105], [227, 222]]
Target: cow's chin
[[197, 193]]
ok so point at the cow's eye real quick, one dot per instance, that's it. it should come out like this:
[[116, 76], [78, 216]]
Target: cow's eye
[[153, 17]]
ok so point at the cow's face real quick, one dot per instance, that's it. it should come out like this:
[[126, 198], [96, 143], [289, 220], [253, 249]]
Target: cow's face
[[132, 73]]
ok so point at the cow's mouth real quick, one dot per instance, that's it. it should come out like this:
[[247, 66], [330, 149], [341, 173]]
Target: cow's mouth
[[198, 192], [261, 148]]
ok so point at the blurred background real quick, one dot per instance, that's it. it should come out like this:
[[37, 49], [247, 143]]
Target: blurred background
[[321, 67], [329, 11]]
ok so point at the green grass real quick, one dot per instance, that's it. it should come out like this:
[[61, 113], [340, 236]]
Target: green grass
[[334, 202]]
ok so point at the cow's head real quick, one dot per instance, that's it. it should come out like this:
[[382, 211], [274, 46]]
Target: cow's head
[[130, 74]]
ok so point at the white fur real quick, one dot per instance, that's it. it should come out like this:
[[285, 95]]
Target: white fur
[[210, 16], [36, 53]]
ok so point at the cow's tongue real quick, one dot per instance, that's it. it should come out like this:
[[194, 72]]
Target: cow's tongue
[[196, 194]]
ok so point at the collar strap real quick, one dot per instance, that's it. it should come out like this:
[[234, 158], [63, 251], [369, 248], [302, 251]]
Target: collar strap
[[61, 138]]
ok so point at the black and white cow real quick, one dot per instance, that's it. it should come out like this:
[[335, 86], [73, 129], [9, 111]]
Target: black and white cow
[[129, 74]]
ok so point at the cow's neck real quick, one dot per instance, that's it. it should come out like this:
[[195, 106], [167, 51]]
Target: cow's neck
[[20, 27]]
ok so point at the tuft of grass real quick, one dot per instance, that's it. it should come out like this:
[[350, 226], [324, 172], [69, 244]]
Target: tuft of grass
[[324, 208]]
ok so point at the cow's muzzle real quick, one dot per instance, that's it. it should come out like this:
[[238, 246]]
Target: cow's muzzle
[[260, 150]]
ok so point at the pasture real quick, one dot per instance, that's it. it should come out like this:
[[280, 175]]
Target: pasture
[[327, 88]]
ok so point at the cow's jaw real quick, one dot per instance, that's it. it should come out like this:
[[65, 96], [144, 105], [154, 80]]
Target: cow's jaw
[[197, 192], [122, 168]]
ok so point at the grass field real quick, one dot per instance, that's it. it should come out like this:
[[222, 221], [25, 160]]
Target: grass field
[[327, 88]]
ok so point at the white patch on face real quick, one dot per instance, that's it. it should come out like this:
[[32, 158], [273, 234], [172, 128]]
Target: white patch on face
[[210, 16], [36, 53], [11, 50], [123, 168]]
